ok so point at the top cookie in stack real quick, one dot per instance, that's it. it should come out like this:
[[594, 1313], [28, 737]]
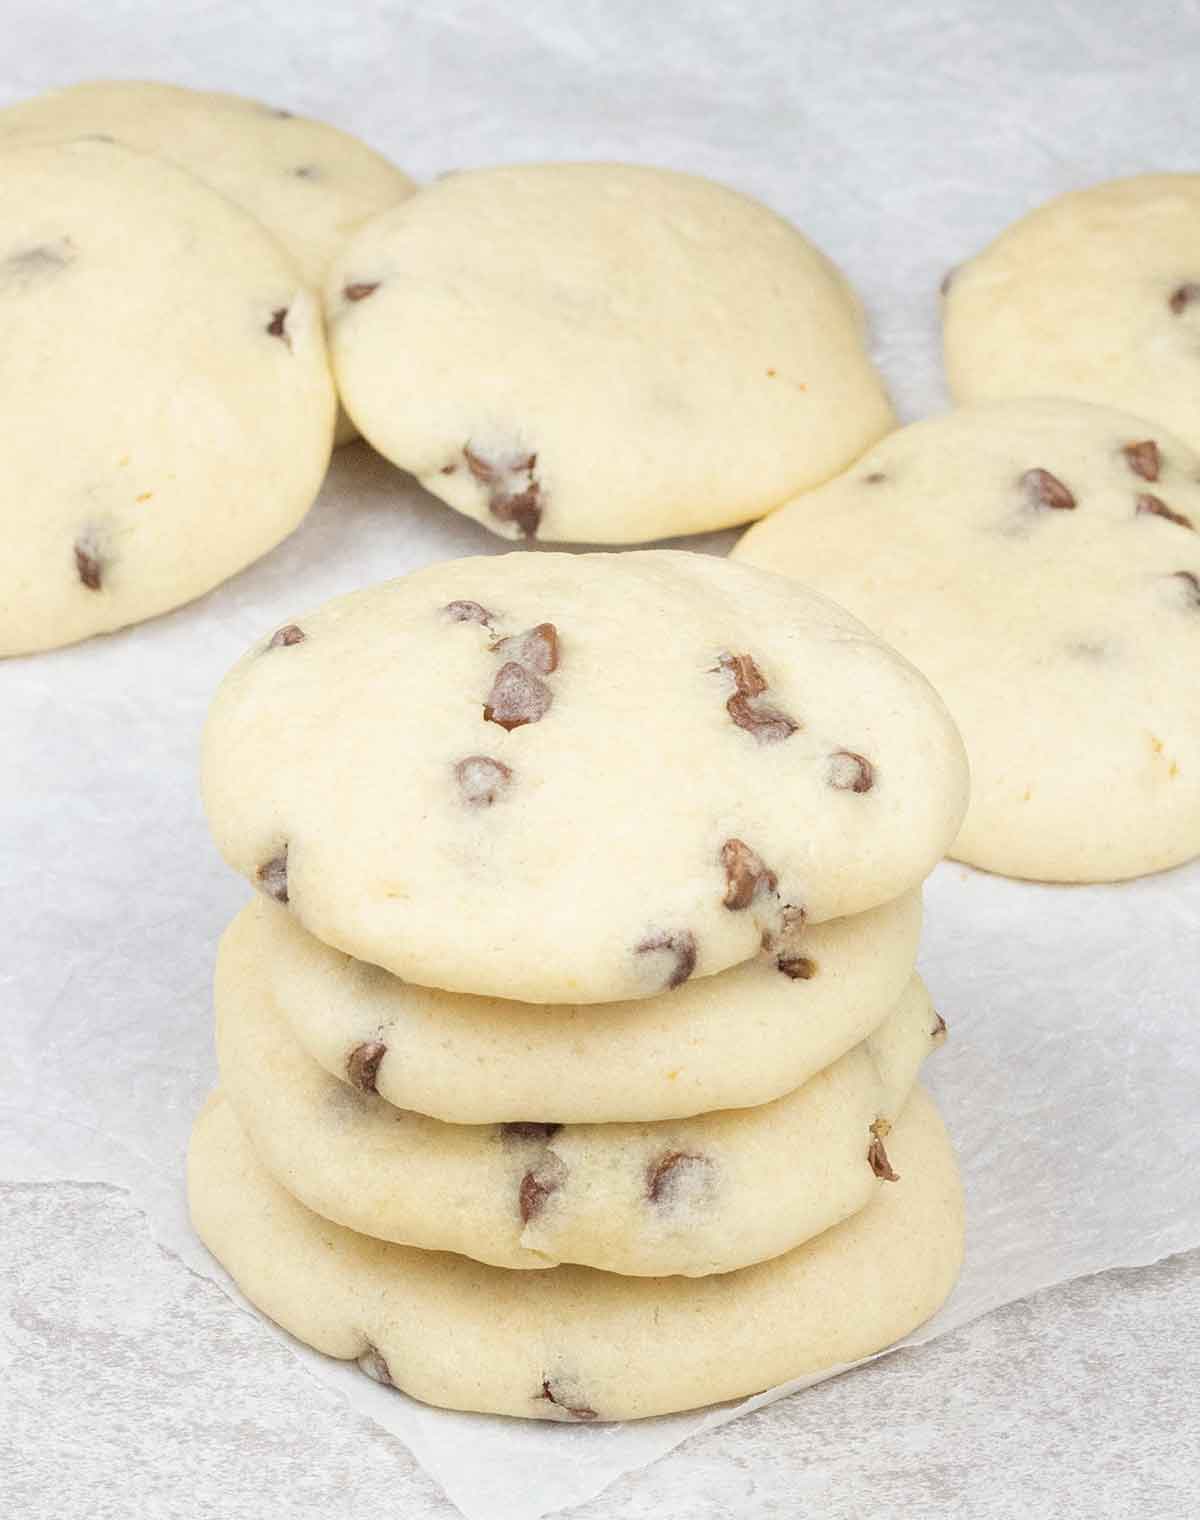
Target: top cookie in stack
[[585, 953], [578, 778]]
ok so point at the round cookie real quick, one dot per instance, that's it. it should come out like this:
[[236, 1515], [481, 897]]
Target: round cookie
[[600, 353], [168, 406], [308, 183], [734, 1040], [1039, 560], [690, 1196], [1095, 296], [578, 778], [572, 1343]]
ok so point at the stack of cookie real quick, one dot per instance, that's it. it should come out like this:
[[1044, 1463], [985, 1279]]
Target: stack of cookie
[[569, 1053]]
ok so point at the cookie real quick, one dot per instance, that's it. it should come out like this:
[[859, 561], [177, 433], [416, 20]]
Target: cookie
[[691, 1196], [734, 1040], [309, 184], [1094, 296], [1039, 560], [167, 401], [600, 353], [578, 778], [573, 1343]]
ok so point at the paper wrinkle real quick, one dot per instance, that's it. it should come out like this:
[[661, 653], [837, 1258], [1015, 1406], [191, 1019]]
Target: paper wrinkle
[[1070, 1075]]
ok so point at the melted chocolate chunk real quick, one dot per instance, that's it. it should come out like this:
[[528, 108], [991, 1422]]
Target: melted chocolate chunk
[[514, 492], [538, 1185], [800, 968], [468, 612], [536, 649], [1045, 490], [768, 724], [849, 772], [880, 1165], [680, 945], [272, 876], [517, 697], [285, 637], [482, 780], [372, 1363], [1182, 297], [670, 1172], [569, 1403], [360, 290], [1154, 506], [745, 875], [277, 326], [362, 1065], [522, 1129], [1191, 581], [88, 565], [1143, 458]]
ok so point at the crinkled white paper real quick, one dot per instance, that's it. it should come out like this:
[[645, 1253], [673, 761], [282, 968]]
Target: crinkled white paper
[[901, 137]]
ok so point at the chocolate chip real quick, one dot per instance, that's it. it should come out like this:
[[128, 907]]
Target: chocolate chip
[[522, 1129], [360, 290], [849, 772], [362, 1065], [1182, 297], [1045, 490], [1192, 582], [277, 325], [467, 612], [482, 779], [536, 649], [306, 171], [88, 564], [876, 477], [567, 1402], [799, 967], [1154, 506], [877, 1155], [768, 724], [514, 493], [285, 637], [666, 1175], [538, 1185], [938, 1033], [517, 697], [681, 945], [745, 875], [272, 876], [1143, 458], [372, 1363]]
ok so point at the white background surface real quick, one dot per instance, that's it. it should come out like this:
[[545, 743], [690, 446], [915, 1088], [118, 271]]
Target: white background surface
[[901, 137]]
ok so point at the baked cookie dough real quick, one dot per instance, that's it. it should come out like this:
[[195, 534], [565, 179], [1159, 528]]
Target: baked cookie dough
[[168, 409], [578, 778], [600, 353], [735, 1040], [691, 1196], [1095, 296], [573, 1343], [1039, 560], [305, 181]]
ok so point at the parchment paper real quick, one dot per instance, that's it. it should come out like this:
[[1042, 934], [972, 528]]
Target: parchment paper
[[901, 138]]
